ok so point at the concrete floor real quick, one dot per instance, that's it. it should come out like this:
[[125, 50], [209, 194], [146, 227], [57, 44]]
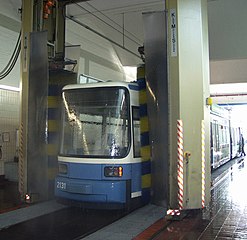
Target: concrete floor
[[9, 196]]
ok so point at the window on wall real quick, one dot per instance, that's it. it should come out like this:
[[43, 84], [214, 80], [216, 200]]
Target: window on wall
[[136, 131]]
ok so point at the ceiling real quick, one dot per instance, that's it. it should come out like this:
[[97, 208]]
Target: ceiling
[[117, 6], [122, 22], [119, 21]]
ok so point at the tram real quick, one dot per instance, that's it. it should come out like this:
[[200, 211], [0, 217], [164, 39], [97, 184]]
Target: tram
[[225, 137], [99, 159]]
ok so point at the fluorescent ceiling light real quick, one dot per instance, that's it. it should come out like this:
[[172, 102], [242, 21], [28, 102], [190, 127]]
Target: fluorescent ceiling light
[[10, 88], [228, 89]]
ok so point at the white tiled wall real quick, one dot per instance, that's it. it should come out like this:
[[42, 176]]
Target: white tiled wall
[[9, 123]]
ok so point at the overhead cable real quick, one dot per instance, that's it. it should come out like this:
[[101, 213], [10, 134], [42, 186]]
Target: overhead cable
[[131, 39], [97, 10], [101, 35]]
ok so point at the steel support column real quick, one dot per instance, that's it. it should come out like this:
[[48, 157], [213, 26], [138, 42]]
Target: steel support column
[[27, 27], [34, 91], [40, 113], [157, 102]]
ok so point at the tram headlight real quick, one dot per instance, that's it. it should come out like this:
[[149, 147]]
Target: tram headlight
[[62, 168], [113, 171]]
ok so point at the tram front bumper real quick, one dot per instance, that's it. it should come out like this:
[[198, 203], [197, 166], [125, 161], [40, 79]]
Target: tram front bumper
[[91, 190]]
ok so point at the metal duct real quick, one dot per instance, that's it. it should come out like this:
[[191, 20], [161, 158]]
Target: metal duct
[[155, 48]]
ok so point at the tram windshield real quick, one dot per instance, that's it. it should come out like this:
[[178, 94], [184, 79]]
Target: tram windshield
[[95, 122]]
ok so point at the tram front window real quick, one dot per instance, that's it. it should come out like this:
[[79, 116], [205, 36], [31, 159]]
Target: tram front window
[[95, 122]]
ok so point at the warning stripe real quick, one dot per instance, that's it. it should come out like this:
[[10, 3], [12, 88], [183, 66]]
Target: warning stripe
[[21, 162], [203, 163], [173, 212], [180, 163]]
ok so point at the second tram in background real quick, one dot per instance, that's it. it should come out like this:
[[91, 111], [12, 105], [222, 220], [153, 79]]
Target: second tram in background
[[225, 137]]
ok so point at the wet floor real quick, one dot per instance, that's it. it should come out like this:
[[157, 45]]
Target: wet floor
[[228, 209], [224, 219]]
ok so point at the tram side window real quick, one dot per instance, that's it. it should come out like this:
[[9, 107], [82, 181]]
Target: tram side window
[[233, 136], [237, 133], [213, 144], [136, 131], [216, 135], [221, 131], [227, 135]]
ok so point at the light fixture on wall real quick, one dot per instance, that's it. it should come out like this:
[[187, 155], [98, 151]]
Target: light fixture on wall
[[5, 87]]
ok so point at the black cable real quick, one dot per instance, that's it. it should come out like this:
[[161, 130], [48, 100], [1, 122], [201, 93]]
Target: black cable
[[13, 54], [112, 21], [107, 23], [12, 64], [13, 59]]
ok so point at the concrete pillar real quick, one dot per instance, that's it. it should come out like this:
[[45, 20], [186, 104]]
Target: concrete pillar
[[188, 77]]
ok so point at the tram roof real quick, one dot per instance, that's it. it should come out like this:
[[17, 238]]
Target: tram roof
[[100, 84]]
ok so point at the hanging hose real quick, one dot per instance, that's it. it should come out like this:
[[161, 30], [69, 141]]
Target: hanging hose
[[13, 59]]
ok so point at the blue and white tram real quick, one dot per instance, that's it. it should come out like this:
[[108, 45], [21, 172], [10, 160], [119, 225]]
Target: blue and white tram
[[225, 137], [99, 159]]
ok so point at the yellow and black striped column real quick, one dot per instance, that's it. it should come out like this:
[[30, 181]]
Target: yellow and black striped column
[[54, 116], [145, 144], [57, 80]]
